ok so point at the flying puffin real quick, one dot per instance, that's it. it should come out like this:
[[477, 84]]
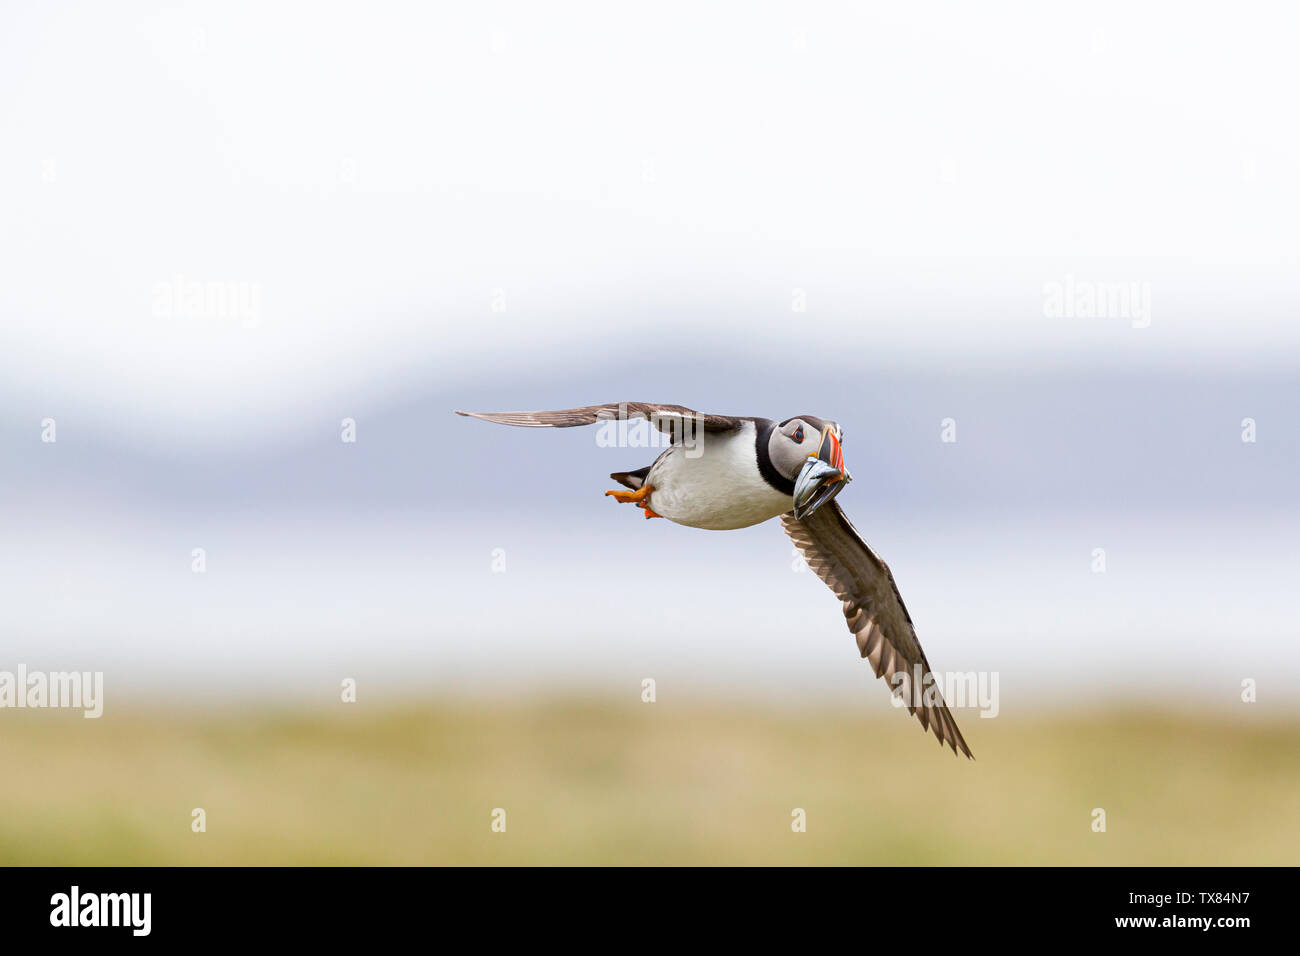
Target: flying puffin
[[722, 472]]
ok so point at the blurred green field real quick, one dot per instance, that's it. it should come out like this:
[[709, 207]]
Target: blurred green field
[[641, 783]]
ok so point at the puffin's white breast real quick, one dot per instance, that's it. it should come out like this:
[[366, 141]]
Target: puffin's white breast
[[720, 489]]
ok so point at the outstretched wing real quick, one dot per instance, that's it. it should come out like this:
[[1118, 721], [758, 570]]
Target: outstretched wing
[[874, 611], [667, 418]]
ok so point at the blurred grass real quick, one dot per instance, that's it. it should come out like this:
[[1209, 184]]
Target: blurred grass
[[589, 782]]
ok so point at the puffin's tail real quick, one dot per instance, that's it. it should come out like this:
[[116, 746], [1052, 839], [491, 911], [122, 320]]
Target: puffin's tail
[[631, 479]]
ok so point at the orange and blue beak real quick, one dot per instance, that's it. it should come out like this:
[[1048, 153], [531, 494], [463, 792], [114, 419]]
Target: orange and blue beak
[[823, 475]]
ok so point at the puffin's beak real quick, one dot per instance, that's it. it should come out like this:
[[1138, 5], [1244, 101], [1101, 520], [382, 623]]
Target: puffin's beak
[[823, 476]]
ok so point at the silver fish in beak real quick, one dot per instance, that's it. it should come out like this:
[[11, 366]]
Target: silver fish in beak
[[822, 477]]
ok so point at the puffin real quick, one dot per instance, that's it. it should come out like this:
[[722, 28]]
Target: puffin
[[722, 472]]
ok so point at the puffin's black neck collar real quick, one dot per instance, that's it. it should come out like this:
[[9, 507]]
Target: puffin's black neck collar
[[780, 482]]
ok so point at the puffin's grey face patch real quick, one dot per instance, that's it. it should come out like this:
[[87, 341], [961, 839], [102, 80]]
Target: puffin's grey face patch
[[787, 453], [795, 439]]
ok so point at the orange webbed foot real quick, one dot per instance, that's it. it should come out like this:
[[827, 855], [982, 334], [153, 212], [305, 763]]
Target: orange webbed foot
[[626, 496], [639, 497]]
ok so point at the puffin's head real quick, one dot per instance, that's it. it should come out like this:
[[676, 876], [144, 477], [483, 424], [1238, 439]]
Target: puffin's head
[[808, 451]]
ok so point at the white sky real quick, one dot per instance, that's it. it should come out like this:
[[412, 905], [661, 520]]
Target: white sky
[[378, 171]]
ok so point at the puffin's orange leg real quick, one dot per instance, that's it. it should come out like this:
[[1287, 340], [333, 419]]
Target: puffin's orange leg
[[626, 496], [641, 497]]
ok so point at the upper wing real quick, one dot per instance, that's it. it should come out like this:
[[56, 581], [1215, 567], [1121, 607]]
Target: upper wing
[[875, 612], [667, 418]]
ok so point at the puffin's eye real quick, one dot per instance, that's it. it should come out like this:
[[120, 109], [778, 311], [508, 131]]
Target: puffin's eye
[[798, 435]]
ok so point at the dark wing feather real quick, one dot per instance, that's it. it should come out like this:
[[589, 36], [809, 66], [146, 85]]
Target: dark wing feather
[[667, 418], [873, 609]]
